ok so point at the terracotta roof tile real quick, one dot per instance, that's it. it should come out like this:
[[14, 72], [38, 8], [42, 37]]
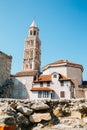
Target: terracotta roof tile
[[42, 89], [63, 63], [63, 78], [43, 78], [25, 73]]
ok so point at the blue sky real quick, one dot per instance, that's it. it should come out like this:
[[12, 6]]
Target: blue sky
[[62, 24]]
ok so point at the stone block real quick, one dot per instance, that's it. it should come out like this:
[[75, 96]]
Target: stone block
[[76, 114], [37, 117]]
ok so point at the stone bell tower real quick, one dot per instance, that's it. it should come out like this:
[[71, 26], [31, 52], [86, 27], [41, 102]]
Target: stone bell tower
[[32, 51]]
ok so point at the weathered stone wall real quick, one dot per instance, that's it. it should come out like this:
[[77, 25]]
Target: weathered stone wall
[[22, 86], [6, 90], [43, 115], [5, 67]]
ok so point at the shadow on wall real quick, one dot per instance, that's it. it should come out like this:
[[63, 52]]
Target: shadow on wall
[[19, 91], [6, 89]]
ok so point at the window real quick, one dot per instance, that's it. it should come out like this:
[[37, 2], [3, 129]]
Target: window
[[54, 76], [26, 66], [30, 32], [34, 32], [62, 94], [62, 83], [48, 83], [39, 94], [31, 43], [30, 65], [41, 84], [43, 94]]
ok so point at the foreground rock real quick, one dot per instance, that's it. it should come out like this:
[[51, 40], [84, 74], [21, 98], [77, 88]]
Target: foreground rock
[[38, 117], [44, 115]]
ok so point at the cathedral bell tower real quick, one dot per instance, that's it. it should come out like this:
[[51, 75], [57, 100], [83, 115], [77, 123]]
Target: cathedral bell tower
[[32, 51]]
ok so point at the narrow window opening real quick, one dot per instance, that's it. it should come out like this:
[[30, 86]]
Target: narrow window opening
[[34, 32], [30, 32]]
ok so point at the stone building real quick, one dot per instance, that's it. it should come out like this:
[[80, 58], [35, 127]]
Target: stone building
[[6, 84], [53, 86], [57, 80], [5, 67], [65, 77], [31, 64]]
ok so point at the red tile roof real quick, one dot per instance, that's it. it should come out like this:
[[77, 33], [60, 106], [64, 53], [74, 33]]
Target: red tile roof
[[25, 73], [42, 89], [63, 63], [43, 78], [63, 78]]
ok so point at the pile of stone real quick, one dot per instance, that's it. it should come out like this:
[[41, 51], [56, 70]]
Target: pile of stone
[[42, 115]]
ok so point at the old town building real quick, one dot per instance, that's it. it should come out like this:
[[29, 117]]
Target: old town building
[[57, 80], [31, 64]]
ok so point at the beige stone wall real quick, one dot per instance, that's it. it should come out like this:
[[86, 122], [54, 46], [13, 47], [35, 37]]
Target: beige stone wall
[[70, 72], [75, 73], [59, 69], [5, 67], [22, 86]]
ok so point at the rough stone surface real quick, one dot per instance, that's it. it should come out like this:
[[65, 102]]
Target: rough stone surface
[[38, 117], [8, 120], [39, 106], [26, 111], [44, 115]]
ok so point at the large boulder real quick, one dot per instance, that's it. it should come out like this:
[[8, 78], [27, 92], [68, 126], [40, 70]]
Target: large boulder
[[39, 106], [7, 120], [37, 117], [26, 111], [21, 119]]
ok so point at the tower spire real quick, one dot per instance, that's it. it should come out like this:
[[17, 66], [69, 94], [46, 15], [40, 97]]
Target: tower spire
[[33, 24]]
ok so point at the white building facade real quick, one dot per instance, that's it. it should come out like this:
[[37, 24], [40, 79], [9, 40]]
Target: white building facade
[[53, 86], [59, 80]]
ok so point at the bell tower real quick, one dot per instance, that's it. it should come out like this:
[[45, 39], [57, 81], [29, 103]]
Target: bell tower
[[32, 51]]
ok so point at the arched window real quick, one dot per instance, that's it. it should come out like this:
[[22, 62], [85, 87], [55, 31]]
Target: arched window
[[54, 76], [26, 66], [31, 53], [34, 32], [30, 32], [30, 65]]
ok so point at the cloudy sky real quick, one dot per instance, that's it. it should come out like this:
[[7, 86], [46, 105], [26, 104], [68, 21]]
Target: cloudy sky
[[62, 24]]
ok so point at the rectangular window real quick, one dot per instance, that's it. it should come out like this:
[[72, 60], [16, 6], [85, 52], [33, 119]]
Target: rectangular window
[[39, 94], [41, 84], [48, 83], [62, 94], [34, 32], [62, 83], [43, 94]]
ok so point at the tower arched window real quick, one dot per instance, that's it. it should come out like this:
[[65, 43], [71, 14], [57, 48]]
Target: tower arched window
[[31, 53], [30, 32], [34, 32], [31, 43], [30, 65], [26, 66]]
